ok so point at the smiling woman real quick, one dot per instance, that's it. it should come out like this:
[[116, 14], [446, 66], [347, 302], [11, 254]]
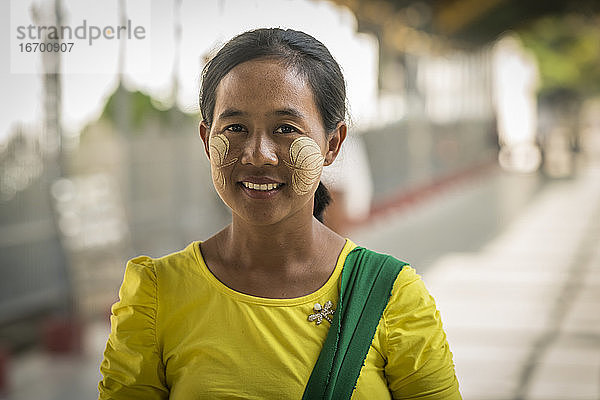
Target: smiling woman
[[276, 305], [266, 114]]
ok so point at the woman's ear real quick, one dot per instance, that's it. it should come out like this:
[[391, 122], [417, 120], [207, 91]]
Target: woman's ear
[[334, 142], [204, 133]]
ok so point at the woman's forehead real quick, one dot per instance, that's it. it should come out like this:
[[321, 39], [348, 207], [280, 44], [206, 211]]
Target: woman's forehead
[[264, 86]]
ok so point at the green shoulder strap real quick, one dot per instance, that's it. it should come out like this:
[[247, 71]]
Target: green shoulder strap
[[367, 281]]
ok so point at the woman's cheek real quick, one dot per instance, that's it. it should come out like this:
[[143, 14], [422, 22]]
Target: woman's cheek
[[306, 163], [219, 152]]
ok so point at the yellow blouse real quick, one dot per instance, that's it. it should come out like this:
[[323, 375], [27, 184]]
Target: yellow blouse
[[177, 332]]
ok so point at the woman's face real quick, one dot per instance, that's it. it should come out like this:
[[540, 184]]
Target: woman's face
[[267, 144]]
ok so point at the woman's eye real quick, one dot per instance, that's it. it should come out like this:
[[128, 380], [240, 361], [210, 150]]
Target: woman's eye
[[235, 128], [285, 129]]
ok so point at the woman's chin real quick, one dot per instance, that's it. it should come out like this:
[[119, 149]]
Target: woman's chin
[[270, 217], [261, 220]]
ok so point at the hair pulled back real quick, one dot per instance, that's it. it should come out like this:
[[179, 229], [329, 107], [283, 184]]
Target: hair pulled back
[[297, 50]]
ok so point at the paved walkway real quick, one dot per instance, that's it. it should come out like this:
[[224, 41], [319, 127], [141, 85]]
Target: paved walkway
[[522, 313]]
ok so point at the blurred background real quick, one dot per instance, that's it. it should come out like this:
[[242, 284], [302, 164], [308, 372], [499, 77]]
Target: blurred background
[[474, 154]]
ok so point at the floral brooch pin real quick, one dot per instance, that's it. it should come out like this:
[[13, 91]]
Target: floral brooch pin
[[321, 312]]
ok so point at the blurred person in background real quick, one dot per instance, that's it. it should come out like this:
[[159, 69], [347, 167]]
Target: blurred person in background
[[276, 305]]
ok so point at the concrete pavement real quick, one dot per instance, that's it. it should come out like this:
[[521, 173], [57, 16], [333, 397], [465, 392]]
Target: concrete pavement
[[522, 314]]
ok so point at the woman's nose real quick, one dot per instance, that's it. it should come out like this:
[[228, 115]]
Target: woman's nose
[[259, 150]]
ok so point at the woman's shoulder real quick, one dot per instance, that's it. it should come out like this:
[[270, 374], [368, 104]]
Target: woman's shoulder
[[146, 271], [180, 259], [166, 280], [410, 302], [408, 289], [371, 259], [184, 258]]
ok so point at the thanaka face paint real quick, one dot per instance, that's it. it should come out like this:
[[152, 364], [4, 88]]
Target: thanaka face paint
[[218, 149], [306, 163]]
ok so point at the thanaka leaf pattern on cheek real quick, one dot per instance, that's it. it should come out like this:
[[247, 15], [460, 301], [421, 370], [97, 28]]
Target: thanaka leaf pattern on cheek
[[306, 162], [219, 148]]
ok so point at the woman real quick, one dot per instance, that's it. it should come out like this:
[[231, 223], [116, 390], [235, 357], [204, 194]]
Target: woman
[[276, 305]]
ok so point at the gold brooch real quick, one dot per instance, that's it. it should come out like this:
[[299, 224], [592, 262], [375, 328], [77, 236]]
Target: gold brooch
[[321, 312]]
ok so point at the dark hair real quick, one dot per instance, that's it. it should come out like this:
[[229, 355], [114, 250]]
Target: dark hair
[[298, 50]]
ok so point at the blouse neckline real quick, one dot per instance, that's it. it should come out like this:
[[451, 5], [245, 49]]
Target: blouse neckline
[[308, 298]]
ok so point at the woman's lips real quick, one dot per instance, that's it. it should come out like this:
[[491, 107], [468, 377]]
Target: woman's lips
[[261, 186], [260, 190], [258, 179]]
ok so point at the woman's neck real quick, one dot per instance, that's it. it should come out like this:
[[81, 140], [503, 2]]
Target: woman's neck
[[268, 247], [280, 261]]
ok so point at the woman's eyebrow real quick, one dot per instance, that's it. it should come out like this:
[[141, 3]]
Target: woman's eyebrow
[[287, 112], [290, 112], [231, 112]]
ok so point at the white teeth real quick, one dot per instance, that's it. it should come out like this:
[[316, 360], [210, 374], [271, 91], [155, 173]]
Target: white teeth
[[262, 187]]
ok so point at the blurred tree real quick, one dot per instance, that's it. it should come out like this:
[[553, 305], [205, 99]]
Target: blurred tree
[[141, 109], [567, 48]]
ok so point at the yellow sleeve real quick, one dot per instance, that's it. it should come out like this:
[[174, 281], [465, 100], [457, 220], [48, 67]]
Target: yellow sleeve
[[132, 367], [419, 361]]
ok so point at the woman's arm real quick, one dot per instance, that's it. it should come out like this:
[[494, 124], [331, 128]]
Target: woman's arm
[[132, 367], [419, 361]]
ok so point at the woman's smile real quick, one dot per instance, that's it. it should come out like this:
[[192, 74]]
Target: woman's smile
[[260, 191], [260, 187]]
